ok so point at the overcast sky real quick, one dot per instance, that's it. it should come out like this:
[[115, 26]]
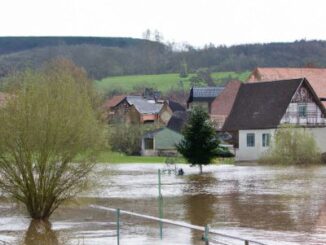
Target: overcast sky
[[196, 22]]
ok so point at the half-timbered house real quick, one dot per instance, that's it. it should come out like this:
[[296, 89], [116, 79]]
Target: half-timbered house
[[260, 108]]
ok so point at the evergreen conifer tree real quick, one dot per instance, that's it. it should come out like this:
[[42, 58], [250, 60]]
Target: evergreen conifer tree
[[200, 144]]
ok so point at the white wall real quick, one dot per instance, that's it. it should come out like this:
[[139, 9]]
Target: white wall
[[245, 153], [314, 115], [320, 137]]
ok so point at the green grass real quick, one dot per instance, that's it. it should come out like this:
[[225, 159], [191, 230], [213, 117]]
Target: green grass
[[162, 82], [115, 157]]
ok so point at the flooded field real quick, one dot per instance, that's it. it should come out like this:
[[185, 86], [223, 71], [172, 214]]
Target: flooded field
[[273, 205]]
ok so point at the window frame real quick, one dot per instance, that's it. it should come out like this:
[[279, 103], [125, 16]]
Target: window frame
[[148, 142], [253, 142], [266, 139], [303, 106]]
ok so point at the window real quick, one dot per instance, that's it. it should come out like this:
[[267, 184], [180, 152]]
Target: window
[[266, 140], [149, 143], [302, 110], [251, 140]]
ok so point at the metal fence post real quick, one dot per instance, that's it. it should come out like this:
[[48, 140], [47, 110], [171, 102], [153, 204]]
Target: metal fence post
[[246, 242], [118, 226], [160, 203], [206, 238]]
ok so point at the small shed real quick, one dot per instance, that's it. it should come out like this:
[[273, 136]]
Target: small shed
[[160, 142]]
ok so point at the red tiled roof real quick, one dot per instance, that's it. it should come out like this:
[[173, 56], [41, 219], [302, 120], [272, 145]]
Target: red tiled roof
[[315, 76], [113, 101], [222, 104]]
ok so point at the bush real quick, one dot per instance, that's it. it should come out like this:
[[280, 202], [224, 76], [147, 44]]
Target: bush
[[292, 146], [126, 138]]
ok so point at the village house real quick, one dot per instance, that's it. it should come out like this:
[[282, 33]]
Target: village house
[[260, 108], [221, 106], [168, 109], [203, 96], [315, 76], [163, 141], [160, 142], [140, 110], [137, 109], [110, 104]]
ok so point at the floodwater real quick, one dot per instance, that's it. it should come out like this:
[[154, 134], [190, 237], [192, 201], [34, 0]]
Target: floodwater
[[272, 205]]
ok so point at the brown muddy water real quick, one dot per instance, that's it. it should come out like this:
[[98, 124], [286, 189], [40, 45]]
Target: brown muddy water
[[273, 205]]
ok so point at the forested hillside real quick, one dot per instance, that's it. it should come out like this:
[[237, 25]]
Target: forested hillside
[[102, 57]]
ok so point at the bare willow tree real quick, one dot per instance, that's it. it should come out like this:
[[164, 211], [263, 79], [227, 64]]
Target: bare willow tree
[[46, 123]]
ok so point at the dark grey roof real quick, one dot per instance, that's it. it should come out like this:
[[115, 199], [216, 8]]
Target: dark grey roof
[[144, 106], [261, 105], [175, 106], [178, 120], [204, 93]]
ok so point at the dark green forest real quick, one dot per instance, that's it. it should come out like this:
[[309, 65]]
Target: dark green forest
[[102, 57]]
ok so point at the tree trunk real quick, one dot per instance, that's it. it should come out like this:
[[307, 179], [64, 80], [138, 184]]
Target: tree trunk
[[200, 168]]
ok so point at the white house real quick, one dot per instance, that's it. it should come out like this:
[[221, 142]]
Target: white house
[[260, 108]]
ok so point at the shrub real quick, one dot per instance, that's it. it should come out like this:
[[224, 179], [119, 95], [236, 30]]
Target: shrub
[[126, 138], [292, 146]]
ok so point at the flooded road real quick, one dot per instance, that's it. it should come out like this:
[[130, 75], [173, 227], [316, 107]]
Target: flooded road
[[273, 205]]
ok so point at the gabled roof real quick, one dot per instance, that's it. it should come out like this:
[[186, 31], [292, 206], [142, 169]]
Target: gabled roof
[[112, 102], [144, 106], [262, 105], [204, 93], [178, 120], [315, 76], [223, 103]]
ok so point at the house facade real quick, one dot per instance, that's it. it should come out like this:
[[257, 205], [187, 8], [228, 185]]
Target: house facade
[[168, 109], [140, 110], [203, 97], [137, 110], [261, 108]]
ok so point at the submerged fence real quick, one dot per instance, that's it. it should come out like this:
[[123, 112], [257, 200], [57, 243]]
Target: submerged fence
[[205, 229]]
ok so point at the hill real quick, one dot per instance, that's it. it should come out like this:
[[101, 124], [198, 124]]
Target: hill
[[16, 44], [162, 82], [103, 57]]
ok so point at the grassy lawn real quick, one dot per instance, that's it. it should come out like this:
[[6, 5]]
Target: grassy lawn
[[115, 157], [162, 82]]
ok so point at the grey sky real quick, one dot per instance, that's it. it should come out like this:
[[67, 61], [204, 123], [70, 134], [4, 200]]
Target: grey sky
[[194, 21]]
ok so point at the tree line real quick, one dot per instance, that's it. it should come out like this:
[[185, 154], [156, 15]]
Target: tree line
[[102, 58]]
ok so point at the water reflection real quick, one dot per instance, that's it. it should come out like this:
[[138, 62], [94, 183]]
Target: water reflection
[[39, 233], [200, 205]]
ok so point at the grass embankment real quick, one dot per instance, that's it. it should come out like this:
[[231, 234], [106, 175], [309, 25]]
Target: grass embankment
[[162, 82], [115, 157]]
